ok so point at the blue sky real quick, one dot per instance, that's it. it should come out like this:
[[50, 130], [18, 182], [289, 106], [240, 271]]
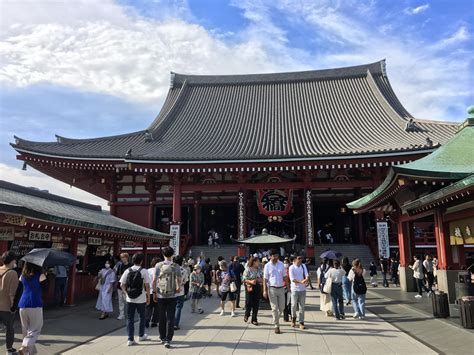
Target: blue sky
[[91, 68]]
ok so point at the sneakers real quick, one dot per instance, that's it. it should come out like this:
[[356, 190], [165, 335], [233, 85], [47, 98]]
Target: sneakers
[[356, 316], [143, 338], [200, 311], [176, 327], [222, 313], [131, 343], [293, 322], [167, 345], [418, 296], [361, 317], [11, 351], [232, 314], [302, 327], [429, 294], [277, 330], [121, 317]]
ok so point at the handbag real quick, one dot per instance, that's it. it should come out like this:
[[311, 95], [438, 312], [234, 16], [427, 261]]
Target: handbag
[[328, 286], [98, 285], [233, 287]]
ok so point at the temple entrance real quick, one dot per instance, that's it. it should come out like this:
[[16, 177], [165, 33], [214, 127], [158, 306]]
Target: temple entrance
[[219, 218], [333, 223]]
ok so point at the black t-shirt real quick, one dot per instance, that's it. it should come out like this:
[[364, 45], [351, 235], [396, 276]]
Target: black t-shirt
[[384, 265], [207, 270], [122, 267]]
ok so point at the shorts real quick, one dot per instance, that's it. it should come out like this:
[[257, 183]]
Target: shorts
[[207, 280], [232, 296]]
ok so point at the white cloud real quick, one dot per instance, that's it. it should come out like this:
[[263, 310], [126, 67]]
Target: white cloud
[[32, 178], [416, 10], [461, 35]]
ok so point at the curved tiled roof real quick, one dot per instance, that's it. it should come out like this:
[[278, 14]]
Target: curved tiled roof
[[285, 116]]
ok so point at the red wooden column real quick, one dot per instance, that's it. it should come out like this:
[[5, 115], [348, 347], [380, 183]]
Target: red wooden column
[[177, 202], [71, 283], [308, 221], [403, 245], [442, 243]]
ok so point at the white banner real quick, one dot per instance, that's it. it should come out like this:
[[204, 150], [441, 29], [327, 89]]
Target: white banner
[[383, 241], [241, 217], [174, 241], [309, 219]]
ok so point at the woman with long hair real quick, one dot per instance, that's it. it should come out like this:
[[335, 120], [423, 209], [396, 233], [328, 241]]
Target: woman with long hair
[[325, 298], [253, 279], [346, 283], [31, 307], [336, 274], [359, 289]]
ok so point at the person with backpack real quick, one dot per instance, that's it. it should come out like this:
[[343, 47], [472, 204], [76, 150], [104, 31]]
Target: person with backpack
[[135, 283], [181, 295], [299, 278], [8, 288], [359, 289], [105, 285], [325, 299], [336, 274], [166, 282]]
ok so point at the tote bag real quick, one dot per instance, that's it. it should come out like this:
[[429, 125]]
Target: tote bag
[[328, 285]]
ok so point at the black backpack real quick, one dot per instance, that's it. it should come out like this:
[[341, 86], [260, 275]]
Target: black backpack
[[134, 283], [359, 285]]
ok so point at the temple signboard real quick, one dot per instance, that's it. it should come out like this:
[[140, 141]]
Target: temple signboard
[[274, 202]]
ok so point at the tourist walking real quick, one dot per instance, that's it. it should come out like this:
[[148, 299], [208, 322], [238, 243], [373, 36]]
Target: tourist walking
[[215, 273], [135, 283], [207, 272], [287, 309], [299, 280], [119, 269], [346, 283], [226, 289], [167, 281], [182, 294], [105, 286], [394, 264], [274, 281], [336, 274], [210, 241], [325, 298], [428, 265], [417, 268], [253, 279], [60, 282], [384, 269], [31, 307], [151, 310], [236, 270], [359, 289], [196, 281], [8, 288], [373, 274]]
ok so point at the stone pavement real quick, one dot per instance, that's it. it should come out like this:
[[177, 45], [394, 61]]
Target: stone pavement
[[212, 334]]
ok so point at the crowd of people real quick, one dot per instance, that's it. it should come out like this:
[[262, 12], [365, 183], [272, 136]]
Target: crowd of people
[[157, 293]]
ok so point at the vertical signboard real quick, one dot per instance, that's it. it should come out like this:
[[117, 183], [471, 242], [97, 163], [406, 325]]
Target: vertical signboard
[[175, 234], [309, 218], [241, 216], [382, 238]]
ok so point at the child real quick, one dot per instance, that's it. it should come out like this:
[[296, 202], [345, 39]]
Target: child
[[373, 274], [196, 281]]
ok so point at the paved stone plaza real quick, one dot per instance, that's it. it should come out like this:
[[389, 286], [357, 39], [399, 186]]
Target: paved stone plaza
[[212, 334]]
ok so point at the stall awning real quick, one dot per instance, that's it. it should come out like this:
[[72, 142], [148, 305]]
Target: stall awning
[[265, 238]]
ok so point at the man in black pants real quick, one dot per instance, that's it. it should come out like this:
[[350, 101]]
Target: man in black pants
[[167, 283], [236, 270]]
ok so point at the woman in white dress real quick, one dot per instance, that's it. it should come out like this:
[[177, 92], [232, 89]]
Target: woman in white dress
[[325, 299], [106, 281]]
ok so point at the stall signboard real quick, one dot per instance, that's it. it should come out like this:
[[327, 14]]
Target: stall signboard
[[39, 236], [174, 241], [7, 233], [383, 241], [94, 241]]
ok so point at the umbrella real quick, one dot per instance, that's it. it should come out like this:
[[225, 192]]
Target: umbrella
[[331, 254], [47, 257]]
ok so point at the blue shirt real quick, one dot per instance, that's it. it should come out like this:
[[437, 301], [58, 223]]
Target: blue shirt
[[31, 296]]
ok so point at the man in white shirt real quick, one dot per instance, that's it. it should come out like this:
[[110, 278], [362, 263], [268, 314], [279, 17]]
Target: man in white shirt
[[133, 283], [299, 279], [151, 312], [275, 282]]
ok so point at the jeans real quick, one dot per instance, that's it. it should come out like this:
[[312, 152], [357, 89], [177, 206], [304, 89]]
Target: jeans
[[346, 288], [358, 303], [140, 308], [385, 281], [395, 278], [420, 285], [151, 312], [252, 302], [276, 297], [60, 290], [337, 300], [166, 311], [179, 307], [7, 318], [298, 301]]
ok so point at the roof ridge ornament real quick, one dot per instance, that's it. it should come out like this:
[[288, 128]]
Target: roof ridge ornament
[[383, 67], [172, 76]]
